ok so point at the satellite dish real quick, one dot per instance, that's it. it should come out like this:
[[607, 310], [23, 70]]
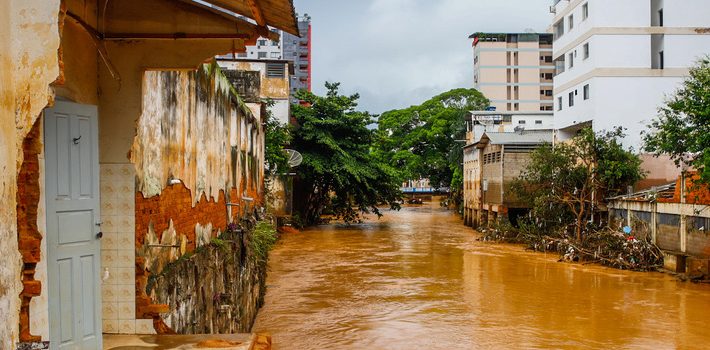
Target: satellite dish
[[294, 158]]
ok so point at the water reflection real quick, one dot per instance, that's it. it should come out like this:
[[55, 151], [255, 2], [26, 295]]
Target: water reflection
[[418, 279]]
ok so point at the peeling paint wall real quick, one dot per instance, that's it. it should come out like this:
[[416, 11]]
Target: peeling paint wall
[[270, 87], [29, 39], [275, 88], [183, 133], [197, 148]]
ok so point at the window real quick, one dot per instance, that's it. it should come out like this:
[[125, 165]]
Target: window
[[546, 76], [586, 92], [262, 55], [275, 70], [262, 42], [242, 54], [559, 103], [274, 43], [660, 18], [560, 65], [571, 99], [516, 106], [542, 92], [585, 11], [548, 59], [558, 29], [521, 122], [570, 21], [586, 51], [661, 62], [571, 60], [538, 122], [274, 55]]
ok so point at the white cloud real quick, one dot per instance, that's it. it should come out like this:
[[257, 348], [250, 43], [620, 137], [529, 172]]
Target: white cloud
[[396, 53]]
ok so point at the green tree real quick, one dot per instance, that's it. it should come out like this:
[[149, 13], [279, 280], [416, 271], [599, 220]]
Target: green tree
[[682, 128], [566, 183], [277, 137], [339, 170], [421, 141]]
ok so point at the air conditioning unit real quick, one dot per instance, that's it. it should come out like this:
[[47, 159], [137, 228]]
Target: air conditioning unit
[[553, 9]]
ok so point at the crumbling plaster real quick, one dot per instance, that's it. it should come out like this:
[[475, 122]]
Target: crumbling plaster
[[194, 112], [29, 40]]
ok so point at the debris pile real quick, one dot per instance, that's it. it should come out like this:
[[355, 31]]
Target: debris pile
[[605, 246]]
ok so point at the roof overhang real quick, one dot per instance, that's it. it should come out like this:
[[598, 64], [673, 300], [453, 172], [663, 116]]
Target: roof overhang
[[278, 14], [183, 19]]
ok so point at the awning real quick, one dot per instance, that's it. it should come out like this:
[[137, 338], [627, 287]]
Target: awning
[[279, 14]]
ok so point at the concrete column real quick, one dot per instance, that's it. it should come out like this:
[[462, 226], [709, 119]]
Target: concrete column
[[683, 226], [654, 223], [683, 233]]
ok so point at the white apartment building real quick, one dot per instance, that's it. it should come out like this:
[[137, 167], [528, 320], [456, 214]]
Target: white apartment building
[[617, 60]]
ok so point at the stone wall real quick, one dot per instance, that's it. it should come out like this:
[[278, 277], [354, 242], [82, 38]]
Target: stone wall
[[218, 289]]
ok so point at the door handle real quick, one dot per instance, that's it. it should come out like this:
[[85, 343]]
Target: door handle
[[99, 235]]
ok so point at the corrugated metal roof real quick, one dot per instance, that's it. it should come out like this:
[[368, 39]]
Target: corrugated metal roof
[[526, 137], [278, 14]]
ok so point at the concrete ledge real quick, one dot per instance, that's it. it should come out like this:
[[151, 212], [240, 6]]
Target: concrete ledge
[[242, 341]]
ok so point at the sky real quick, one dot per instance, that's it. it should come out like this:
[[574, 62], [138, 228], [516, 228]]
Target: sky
[[398, 53]]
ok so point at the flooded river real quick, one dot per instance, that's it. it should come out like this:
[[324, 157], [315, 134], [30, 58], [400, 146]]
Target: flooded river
[[418, 279]]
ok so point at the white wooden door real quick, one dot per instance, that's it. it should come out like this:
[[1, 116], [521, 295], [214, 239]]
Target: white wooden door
[[73, 226]]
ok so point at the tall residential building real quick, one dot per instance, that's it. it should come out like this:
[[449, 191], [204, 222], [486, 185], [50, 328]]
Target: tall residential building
[[514, 70], [298, 50], [616, 61]]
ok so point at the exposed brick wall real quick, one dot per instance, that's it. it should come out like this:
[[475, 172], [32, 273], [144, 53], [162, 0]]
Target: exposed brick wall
[[29, 237], [174, 203], [694, 194]]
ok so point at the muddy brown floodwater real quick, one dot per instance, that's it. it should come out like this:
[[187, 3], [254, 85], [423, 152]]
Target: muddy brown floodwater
[[418, 279]]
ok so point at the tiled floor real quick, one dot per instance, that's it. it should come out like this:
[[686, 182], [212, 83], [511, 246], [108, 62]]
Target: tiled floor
[[165, 342]]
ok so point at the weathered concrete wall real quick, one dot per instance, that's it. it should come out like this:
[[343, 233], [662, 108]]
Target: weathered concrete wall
[[668, 232], [210, 141], [219, 289], [513, 164], [193, 111], [492, 172], [29, 39], [270, 87]]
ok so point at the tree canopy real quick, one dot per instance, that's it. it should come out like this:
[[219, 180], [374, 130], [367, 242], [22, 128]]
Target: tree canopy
[[566, 183], [339, 171], [682, 128], [421, 141]]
